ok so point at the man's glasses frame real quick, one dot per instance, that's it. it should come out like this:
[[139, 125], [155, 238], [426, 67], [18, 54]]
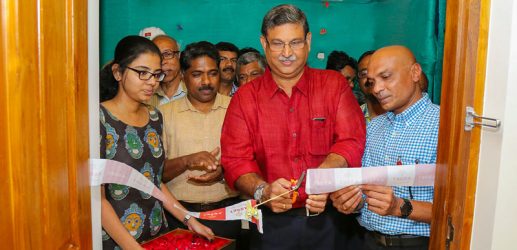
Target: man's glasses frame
[[145, 75], [277, 46], [171, 54]]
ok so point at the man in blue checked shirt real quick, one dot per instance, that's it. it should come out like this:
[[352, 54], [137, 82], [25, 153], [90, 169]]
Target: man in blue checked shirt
[[395, 217]]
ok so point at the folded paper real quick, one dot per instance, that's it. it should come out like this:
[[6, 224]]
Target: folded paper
[[328, 180]]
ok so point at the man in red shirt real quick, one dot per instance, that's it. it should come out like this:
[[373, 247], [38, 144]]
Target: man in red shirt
[[288, 120]]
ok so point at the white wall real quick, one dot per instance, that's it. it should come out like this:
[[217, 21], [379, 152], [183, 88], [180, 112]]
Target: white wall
[[93, 110], [495, 213]]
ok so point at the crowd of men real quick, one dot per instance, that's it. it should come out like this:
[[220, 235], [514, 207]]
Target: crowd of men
[[240, 125]]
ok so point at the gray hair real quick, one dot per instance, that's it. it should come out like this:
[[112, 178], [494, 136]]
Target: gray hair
[[250, 57], [283, 14]]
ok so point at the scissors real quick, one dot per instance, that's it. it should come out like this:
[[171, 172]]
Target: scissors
[[298, 185]]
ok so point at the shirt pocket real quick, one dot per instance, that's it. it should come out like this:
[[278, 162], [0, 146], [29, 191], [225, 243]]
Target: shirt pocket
[[320, 136]]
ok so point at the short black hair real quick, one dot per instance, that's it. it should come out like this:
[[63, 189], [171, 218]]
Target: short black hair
[[338, 60], [226, 46], [196, 50], [365, 54], [284, 14]]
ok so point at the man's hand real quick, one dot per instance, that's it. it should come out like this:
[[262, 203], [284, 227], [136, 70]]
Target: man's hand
[[203, 160], [280, 204], [347, 200], [316, 202], [209, 177], [381, 200]]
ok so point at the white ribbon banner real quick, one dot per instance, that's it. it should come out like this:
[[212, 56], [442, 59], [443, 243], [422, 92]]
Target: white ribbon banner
[[110, 171], [326, 180]]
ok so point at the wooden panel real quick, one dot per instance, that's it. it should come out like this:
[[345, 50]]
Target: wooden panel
[[458, 150], [45, 125]]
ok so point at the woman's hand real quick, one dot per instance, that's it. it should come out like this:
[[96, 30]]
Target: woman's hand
[[194, 225]]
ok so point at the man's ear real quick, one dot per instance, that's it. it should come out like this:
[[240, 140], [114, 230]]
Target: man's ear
[[263, 42], [308, 39], [115, 68], [416, 72]]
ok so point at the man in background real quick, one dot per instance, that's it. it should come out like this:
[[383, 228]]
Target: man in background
[[172, 86], [227, 65], [250, 65]]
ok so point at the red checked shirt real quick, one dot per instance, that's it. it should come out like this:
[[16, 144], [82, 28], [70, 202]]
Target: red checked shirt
[[268, 133]]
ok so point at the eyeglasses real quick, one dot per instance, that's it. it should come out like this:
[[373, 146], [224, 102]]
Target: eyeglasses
[[278, 46], [171, 54], [146, 75], [246, 78], [362, 74]]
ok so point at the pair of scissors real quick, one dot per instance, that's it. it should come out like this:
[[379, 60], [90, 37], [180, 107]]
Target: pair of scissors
[[298, 185]]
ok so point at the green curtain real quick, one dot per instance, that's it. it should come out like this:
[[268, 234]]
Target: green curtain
[[353, 26]]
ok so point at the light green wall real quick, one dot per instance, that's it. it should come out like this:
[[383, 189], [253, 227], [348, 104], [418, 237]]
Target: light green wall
[[353, 26]]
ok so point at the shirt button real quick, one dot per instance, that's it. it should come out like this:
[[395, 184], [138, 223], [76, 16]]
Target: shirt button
[[291, 110], [294, 135]]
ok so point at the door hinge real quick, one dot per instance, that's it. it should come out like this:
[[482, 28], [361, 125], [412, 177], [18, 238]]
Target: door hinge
[[470, 115], [450, 233]]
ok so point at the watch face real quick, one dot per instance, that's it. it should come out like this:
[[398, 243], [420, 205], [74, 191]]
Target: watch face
[[406, 208]]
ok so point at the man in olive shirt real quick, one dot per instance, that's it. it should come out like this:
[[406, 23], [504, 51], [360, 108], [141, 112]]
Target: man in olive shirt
[[192, 127]]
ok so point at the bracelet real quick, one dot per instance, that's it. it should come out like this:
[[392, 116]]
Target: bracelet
[[186, 219]]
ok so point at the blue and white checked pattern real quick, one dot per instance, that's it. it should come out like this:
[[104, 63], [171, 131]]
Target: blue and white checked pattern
[[410, 136], [234, 89]]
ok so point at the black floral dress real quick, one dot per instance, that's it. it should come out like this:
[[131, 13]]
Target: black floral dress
[[141, 148]]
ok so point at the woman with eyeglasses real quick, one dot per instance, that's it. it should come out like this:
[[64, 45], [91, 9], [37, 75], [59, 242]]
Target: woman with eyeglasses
[[131, 133]]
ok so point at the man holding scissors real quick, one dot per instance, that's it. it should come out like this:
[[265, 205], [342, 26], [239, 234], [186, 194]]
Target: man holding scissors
[[288, 120]]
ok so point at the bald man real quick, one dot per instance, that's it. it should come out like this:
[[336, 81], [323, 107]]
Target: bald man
[[395, 217], [172, 86]]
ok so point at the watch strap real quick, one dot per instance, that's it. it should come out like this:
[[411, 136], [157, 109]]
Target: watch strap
[[406, 209]]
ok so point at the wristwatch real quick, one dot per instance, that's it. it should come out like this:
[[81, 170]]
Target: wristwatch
[[406, 208], [186, 218], [259, 191]]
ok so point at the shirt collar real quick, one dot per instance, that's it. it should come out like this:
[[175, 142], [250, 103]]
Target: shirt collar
[[271, 87], [159, 92], [186, 105], [412, 113], [181, 89], [234, 89]]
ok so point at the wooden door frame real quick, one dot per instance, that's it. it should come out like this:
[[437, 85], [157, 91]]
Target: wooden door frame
[[43, 111], [465, 51]]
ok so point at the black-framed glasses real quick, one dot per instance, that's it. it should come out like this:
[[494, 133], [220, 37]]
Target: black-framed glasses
[[278, 46], [145, 75], [171, 54]]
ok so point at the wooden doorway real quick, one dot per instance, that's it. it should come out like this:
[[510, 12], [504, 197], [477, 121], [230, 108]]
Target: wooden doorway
[[463, 85], [44, 152]]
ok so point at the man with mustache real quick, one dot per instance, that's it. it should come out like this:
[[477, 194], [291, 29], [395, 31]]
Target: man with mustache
[[172, 86], [289, 120], [192, 126], [396, 217], [228, 53]]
